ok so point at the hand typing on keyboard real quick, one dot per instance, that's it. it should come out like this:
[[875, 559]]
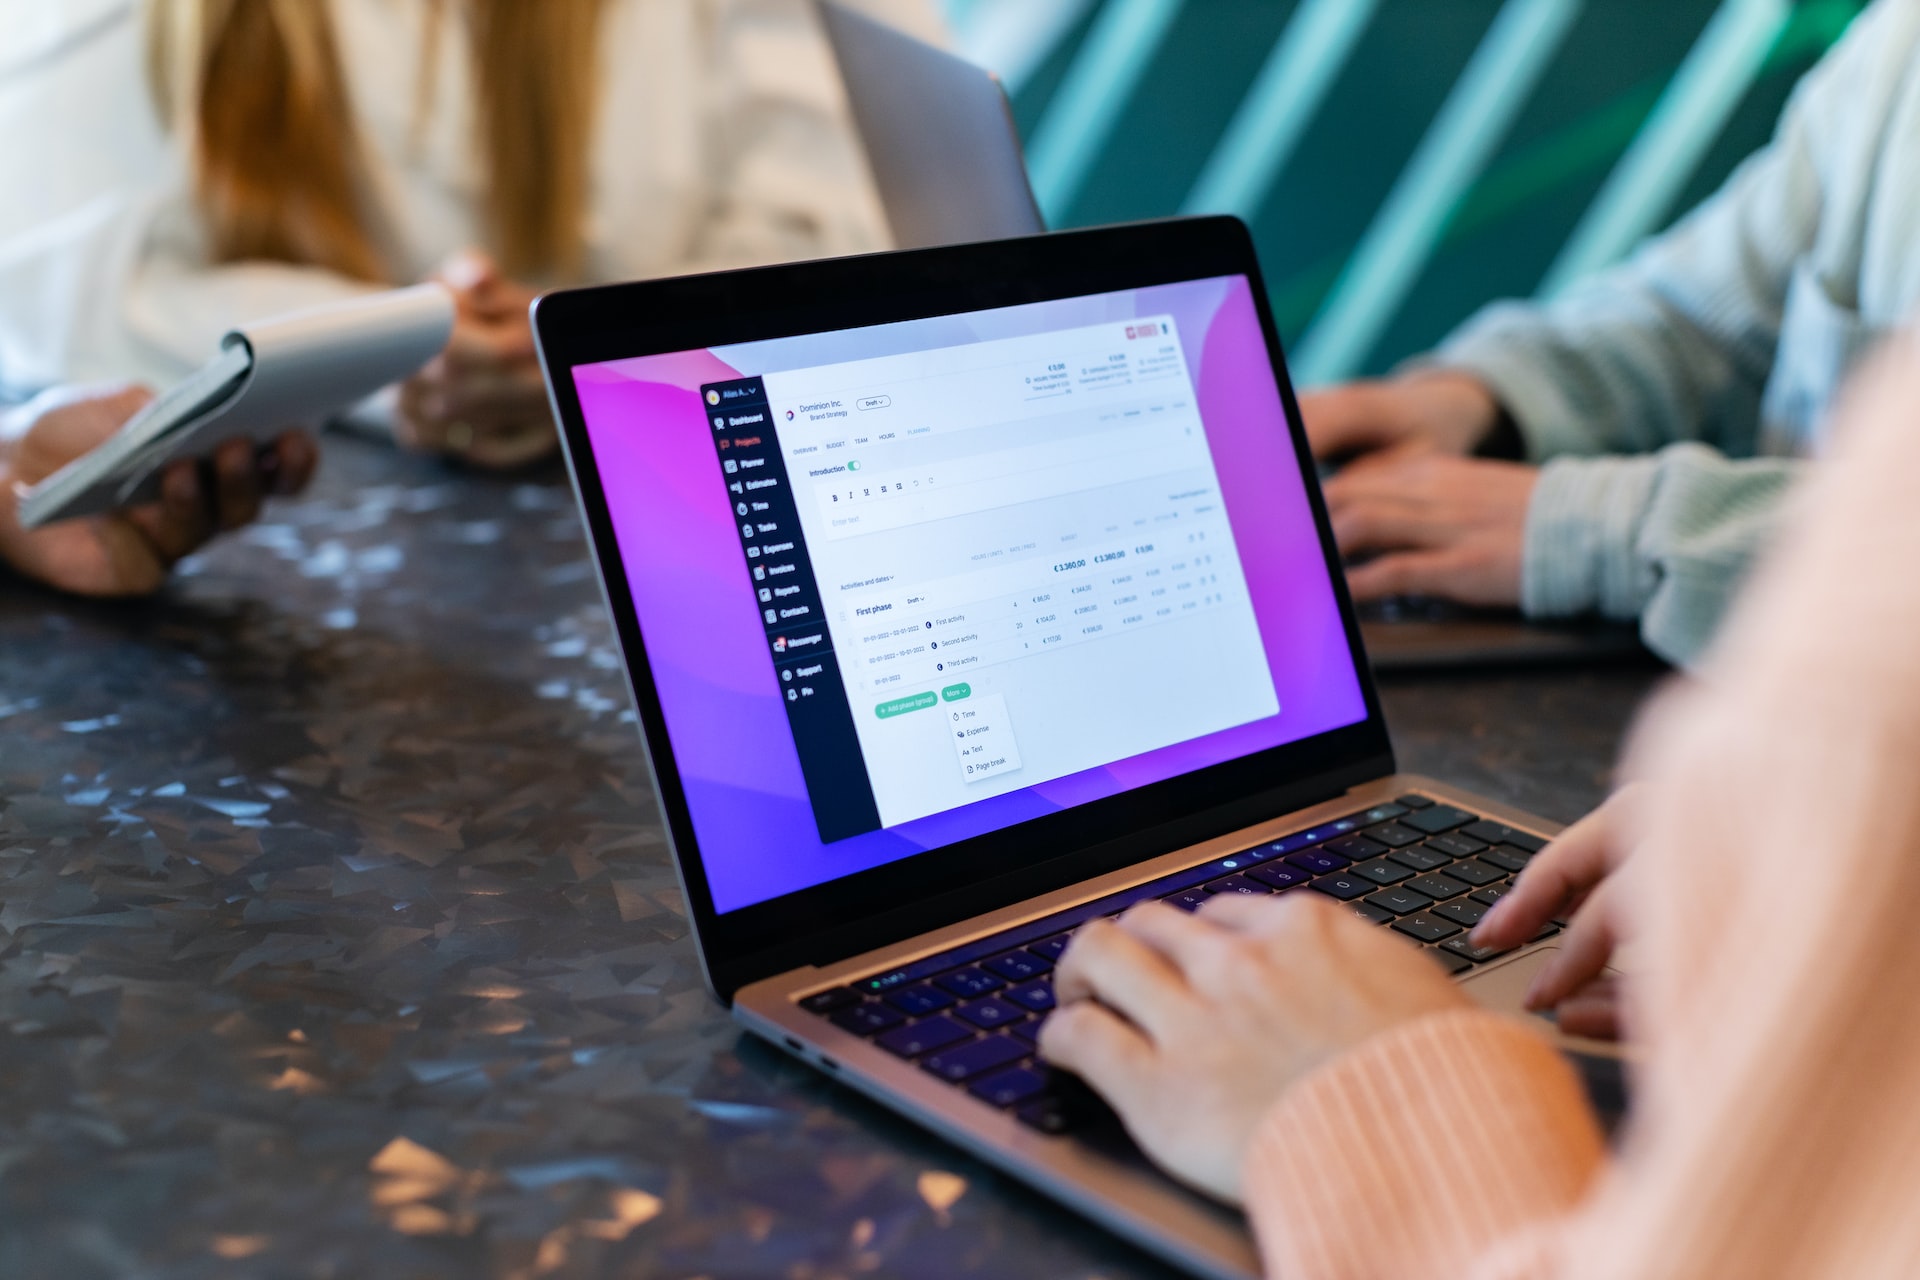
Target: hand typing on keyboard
[[1193, 1025], [1570, 877]]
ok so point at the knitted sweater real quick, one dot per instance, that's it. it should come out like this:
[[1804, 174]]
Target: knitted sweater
[[1674, 397]]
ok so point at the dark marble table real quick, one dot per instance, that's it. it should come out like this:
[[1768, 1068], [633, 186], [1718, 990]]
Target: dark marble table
[[337, 934]]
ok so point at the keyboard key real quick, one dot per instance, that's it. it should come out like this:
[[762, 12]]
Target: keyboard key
[[1294, 843], [918, 1001], [1318, 861], [966, 1061], [1029, 1031], [1008, 1088], [1191, 900], [1355, 848], [1238, 884], [1345, 888], [1018, 966], [1394, 835], [1037, 996], [1507, 857], [1370, 913], [1401, 902], [1460, 946], [1050, 948], [1382, 871], [1420, 857], [1279, 875], [1437, 819], [1498, 833], [1456, 845], [826, 1002], [1491, 894], [990, 1013], [1462, 911], [1255, 855], [867, 1019], [1437, 887], [1413, 802], [1475, 872], [923, 1037], [1451, 962], [1425, 927], [968, 983], [1066, 1105]]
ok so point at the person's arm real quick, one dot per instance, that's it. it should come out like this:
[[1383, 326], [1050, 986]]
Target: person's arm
[[1451, 1146], [129, 552], [1667, 539], [1678, 342]]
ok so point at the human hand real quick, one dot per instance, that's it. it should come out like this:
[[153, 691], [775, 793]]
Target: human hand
[[128, 552], [482, 399], [1570, 875], [1439, 409], [1435, 524], [1193, 1026]]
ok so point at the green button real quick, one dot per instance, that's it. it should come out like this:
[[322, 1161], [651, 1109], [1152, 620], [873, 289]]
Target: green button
[[900, 706], [955, 692]]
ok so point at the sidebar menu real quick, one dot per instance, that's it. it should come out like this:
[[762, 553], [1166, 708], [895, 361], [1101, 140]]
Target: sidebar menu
[[788, 599]]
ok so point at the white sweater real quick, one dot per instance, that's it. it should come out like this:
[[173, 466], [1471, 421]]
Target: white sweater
[[1715, 353], [722, 140]]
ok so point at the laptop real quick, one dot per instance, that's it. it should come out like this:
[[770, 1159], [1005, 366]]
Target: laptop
[[947, 160], [967, 594]]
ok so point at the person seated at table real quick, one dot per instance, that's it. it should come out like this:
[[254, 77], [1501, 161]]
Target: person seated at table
[[1285, 1055], [339, 145], [130, 552], [1663, 407]]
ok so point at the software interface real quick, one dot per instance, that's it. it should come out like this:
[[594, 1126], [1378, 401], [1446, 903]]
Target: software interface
[[989, 565], [907, 585]]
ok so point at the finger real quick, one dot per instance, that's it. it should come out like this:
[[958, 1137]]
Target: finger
[[182, 519], [1593, 1011], [1099, 1047], [532, 442], [236, 485], [1111, 965], [1584, 950], [1183, 938], [1346, 420], [1571, 864], [1445, 573], [1243, 913], [1371, 525], [296, 457]]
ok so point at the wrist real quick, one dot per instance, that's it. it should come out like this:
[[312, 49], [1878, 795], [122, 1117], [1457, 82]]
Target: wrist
[[1458, 412]]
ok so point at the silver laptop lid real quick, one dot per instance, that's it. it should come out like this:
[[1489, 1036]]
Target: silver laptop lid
[[939, 134]]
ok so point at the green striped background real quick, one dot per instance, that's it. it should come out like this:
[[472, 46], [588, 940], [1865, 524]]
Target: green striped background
[[1137, 95]]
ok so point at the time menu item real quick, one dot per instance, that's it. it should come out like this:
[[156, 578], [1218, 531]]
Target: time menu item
[[1029, 534]]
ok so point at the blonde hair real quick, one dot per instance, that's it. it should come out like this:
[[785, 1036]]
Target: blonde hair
[[257, 88]]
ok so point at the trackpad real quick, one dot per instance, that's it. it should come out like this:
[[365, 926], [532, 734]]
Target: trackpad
[[1505, 988]]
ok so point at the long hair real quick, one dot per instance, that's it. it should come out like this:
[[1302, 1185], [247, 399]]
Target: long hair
[[257, 88]]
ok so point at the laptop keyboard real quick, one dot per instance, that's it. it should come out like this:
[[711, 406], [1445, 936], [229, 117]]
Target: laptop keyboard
[[970, 1016]]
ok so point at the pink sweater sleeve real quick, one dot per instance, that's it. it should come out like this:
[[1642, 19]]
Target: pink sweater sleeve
[[1412, 1154]]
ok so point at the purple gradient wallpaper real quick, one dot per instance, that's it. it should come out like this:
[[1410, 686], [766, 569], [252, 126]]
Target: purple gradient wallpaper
[[699, 618]]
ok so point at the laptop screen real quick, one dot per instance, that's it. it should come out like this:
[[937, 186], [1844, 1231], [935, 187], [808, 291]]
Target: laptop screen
[[905, 585]]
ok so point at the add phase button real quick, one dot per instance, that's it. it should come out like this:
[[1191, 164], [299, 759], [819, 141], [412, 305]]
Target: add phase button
[[955, 692], [900, 706]]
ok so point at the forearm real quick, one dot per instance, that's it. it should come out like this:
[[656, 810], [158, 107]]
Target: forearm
[[1435, 1149], [1666, 539]]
